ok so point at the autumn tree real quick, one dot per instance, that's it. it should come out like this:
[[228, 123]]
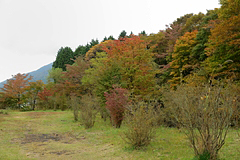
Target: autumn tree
[[136, 64], [193, 23], [73, 77], [15, 89], [46, 97], [183, 61], [229, 8], [223, 44], [32, 91], [97, 48]]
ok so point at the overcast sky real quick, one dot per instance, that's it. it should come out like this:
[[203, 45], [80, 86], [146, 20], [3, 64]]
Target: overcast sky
[[32, 31]]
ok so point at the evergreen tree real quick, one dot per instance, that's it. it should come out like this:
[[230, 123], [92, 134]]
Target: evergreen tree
[[64, 56], [143, 33], [111, 38], [81, 50], [122, 34]]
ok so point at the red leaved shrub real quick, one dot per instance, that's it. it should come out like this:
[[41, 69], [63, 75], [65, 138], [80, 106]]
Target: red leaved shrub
[[116, 102]]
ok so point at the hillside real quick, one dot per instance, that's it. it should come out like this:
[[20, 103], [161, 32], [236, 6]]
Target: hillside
[[40, 74]]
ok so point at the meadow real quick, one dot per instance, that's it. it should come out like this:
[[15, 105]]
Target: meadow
[[55, 135]]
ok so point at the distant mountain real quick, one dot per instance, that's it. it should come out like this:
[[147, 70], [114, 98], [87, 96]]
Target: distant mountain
[[40, 74]]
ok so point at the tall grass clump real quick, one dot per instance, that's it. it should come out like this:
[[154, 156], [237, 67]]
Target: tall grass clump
[[205, 115]]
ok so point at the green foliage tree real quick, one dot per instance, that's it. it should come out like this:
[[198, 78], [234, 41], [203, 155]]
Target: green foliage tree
[[80, 51], [64, 56], [55, 75], [100, 78], [123, 34]]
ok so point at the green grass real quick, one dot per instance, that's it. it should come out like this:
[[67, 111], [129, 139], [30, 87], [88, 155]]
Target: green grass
[[23, 135]]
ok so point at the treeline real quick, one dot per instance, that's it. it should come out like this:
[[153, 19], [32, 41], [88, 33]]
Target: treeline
[[179, 76]]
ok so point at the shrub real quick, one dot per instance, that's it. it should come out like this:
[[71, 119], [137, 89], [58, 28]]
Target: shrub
[[88, 110], [205, 114], [141, 123], [75, 104], [117, 100], [3, 112]]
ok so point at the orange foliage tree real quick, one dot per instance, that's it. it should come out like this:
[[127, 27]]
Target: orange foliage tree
[[136, 64], [223, 48], [182, 60], [15, 89]]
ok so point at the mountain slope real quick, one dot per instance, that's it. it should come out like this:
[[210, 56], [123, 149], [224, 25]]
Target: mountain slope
[[40, 74]]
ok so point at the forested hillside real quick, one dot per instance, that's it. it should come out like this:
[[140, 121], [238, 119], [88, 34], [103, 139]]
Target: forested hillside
[[186, 75]]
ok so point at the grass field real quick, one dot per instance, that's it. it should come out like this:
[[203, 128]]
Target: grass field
[[52, 135]]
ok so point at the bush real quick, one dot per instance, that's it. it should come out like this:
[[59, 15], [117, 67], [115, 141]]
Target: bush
[[141, 123], [75, 104], [205, 114], [3, 112], [117, 100], [88, 110]]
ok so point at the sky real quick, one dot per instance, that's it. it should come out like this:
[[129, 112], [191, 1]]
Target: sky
[[32, 31]]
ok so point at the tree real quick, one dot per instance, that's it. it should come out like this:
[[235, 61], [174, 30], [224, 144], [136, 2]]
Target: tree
[[193, 23], [111, 38], [73, 77], [223, 48], [100, 78], [143, 33], [55, 75], [203, 35], [80, 50], [97, 48], [64, 56], [183, 61], [94, 42], [46, 97], [32, 92], [123, 34], [136, 64], [15, 89], [229, 8]]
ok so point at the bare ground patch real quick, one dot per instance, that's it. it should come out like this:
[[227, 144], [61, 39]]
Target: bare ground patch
[[66, 138], [41, 145]]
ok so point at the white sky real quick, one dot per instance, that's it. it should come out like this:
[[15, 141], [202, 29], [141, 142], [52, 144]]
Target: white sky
[[32, 31]]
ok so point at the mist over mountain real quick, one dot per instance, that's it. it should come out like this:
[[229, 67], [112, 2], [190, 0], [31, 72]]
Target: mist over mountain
[[40, 74]]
